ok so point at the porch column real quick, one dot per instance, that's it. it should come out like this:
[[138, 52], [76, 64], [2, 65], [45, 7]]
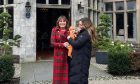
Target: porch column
[[26, 27], [75, 14]]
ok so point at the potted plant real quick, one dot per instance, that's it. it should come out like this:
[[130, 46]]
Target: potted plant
[[6, 59], [103, 39]]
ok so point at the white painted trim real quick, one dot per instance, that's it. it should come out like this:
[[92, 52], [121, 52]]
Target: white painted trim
[[47, 2], [53, 6], [59, 2]]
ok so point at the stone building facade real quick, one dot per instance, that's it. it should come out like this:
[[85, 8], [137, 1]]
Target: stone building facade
[[125, 15]]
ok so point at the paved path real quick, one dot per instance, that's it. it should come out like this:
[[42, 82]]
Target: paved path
[[41, 73]]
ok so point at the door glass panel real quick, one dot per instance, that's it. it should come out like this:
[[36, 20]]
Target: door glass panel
[[10, 1], [120, 24], [10, 11], [65, 1], [131, 5], [98, 19], [94, 4], [89, 3], [1, 2], [1, 10], [109, 6], [41, 1], [131, 25], [53, 1], [95, 18], [119, 5], [111, 28], [98, 5]]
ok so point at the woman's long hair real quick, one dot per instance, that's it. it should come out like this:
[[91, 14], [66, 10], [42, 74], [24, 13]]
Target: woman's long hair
[[89, 27], [64, 18]]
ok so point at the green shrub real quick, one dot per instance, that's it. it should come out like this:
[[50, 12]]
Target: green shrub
[[103, 39], [119, 59], [6, 67], [6, 43]]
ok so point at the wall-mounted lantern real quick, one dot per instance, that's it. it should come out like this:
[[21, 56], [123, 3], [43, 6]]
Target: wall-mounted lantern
[[28, 9], [80, 8]]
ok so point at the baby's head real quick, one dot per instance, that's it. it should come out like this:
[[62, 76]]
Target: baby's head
[[71, 28]]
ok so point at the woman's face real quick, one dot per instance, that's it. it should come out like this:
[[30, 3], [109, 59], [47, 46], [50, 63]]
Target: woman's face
[[80, 25], [62, 23]]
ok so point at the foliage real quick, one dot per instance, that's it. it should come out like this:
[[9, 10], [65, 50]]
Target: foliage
[[6, 60], [103, 39], [6, 67], [119, 59], [6, 43]]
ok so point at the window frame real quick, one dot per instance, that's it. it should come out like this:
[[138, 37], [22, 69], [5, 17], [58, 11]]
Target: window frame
[[125, 12], [4, 7]]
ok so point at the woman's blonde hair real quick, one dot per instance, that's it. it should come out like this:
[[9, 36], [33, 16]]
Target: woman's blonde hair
[[89, 27], [64, 18]]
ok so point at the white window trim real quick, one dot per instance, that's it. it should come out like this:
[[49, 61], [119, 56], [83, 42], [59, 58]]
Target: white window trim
[[125, 11], [5, 5]]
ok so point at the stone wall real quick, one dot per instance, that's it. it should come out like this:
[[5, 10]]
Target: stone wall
[[26, 27], [75, 14]]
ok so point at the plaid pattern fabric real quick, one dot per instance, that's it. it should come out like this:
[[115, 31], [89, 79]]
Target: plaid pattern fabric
[[60, 66]]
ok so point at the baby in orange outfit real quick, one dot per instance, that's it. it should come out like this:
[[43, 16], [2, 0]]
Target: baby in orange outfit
[[72, 34]]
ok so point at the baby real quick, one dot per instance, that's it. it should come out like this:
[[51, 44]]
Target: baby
[[72, 34]]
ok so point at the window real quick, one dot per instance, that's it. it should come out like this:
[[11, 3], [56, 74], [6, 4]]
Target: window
[[111, 28], [10, 11], [98, 17], [119, 5], [109, 6], [131, 25], [53, 1], [131, 5], [1, 10], [125, 20], [7, 8], [1, 2], [120, 24], [10, 1], [41, 1], [98, 5], [89, 3], [94, 4], [65, 1]]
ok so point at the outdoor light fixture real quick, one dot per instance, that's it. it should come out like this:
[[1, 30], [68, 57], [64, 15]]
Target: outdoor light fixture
[[80, 8], [28, 9]]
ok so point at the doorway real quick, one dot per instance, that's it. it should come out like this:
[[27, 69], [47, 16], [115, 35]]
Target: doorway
[[46, 20]]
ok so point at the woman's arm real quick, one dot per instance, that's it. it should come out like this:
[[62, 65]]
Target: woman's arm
[[80, 41]]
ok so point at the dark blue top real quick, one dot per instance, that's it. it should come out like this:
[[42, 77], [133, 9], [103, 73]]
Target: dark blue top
[[81, 55]]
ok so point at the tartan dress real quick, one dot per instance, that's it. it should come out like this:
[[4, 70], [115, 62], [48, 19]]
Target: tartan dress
[[60, 65]]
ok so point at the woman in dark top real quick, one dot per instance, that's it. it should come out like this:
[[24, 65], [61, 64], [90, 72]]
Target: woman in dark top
[[81, 53]]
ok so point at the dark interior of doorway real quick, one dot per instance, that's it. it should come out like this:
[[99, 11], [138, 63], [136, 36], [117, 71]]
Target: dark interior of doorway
[[46, 20]]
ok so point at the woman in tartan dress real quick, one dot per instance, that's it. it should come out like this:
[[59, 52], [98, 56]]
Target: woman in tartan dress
[[58, 40]]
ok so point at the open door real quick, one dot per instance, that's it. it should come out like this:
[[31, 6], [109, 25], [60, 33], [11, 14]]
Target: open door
[[46, 20]]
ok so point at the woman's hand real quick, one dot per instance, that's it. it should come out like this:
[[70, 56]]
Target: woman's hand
[[68, 37], [66, 44]]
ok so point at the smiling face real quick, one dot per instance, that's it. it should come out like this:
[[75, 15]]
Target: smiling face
[[80, 25], [62, 23]]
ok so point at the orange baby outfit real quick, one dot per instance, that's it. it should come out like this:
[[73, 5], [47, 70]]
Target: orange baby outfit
[[72, 34]]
